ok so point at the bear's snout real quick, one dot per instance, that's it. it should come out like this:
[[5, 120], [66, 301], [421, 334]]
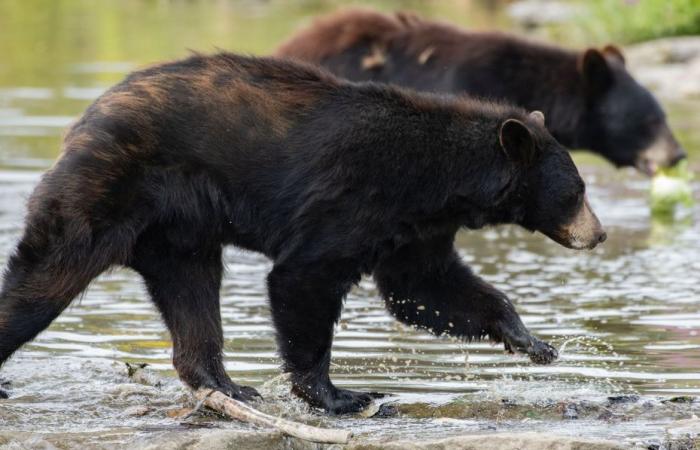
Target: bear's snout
[[584, 231], [665, 151]]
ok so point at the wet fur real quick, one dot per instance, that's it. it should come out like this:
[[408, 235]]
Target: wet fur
[[329, 179]]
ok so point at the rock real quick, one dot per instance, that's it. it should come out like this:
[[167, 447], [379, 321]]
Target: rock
[[684, 427], [681, 399], [178, 413], [536, 13], [671, 50], [140, 374], [387, 410], [570, 411], [617, 399], [668, 66], [496, 441], [137, 411]]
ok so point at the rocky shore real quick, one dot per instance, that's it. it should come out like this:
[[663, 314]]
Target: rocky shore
[[669, 66]]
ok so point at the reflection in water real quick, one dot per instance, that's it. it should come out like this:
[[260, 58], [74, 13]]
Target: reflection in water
[[625, 316]]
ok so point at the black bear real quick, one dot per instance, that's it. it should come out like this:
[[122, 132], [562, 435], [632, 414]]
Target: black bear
[[330, 179], [589, 98]]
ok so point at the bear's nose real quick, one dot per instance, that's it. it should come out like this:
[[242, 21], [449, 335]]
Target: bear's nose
[[678, 156], [602, 237]]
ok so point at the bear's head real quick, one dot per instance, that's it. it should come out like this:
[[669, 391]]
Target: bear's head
[[622, 120], [549, 194]]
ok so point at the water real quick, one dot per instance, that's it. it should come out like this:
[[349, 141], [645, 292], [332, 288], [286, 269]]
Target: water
[[625, 316]]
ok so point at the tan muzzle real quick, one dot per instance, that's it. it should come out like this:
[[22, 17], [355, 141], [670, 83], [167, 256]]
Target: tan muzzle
[[583, 232], [664, 151]]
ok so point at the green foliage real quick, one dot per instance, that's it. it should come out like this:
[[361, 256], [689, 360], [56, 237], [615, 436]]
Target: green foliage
[[627, 21]]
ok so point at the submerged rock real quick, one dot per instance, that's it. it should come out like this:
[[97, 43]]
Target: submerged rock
[[570, 411], [616, 399]]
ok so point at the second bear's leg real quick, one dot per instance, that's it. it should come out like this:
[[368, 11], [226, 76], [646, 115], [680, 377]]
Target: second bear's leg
[[185, 288], [306, 304], [425, 284]]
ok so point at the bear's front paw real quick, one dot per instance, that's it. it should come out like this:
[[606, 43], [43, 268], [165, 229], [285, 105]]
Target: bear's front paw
[[541, 352]]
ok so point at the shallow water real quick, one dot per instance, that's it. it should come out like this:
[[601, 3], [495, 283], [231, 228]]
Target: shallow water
[[625, 316]]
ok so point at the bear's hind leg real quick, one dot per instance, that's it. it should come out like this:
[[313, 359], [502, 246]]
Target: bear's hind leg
[[306, 303], [184, 285], [426, 285]]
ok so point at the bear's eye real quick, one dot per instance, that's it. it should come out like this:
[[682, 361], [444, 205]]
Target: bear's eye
[[653, 122], [573, 198]]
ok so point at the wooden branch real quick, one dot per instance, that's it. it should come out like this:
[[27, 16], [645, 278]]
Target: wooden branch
[[240, 411]]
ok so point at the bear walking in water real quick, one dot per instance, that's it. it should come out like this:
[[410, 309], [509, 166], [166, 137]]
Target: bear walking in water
[[589, 98], [331, 180]]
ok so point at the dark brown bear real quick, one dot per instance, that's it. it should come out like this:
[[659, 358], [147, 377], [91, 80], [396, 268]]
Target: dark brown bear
[[588, 97], [331, 180]]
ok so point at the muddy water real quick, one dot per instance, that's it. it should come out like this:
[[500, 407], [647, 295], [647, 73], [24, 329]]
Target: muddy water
[[625, 316]]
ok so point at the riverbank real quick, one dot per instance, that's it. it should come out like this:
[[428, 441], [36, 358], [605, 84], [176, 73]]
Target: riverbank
[[235, 440]]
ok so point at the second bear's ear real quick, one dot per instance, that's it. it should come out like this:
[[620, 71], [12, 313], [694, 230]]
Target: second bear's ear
[[517, 141], [595, 70], [614, 52], [538, 117]]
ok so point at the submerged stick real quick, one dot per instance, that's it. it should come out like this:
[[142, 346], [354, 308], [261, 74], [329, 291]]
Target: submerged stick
[[238, 410]]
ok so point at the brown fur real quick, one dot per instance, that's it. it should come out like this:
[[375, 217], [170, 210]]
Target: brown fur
[[335, 33], [340, 31]]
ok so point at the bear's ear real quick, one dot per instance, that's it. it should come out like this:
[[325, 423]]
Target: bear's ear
[[517, 141], [613, 51], [595, 70], [538, 117]]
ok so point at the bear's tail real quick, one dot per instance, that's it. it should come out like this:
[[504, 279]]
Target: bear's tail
[[56, 259]]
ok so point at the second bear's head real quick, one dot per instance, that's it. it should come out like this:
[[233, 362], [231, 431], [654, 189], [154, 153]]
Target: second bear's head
[[622, 120]]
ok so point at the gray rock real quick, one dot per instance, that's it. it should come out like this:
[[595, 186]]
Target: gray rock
[[668, 66], [536, 13]]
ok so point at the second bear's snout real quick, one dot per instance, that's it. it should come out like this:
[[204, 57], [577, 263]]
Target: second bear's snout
[[602, 237]]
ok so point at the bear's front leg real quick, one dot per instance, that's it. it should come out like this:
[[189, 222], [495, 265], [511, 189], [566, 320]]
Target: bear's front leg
[[425, 284], [306, 302]]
